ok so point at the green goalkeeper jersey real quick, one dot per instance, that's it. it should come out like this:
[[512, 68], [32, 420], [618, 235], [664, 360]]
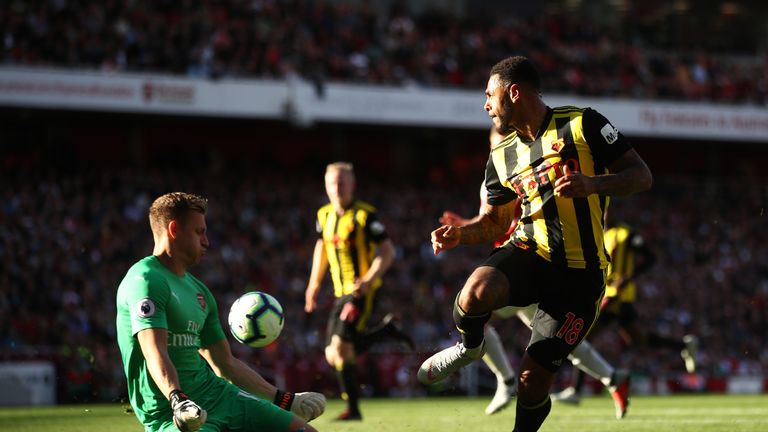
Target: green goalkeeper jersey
[[151, 296]]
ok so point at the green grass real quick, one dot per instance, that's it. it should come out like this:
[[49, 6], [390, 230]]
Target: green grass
[[652, 414]]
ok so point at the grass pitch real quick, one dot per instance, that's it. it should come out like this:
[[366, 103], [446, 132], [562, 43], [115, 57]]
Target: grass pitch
[[646, 413]]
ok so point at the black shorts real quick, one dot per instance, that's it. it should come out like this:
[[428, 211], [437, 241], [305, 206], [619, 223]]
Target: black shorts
[[569, 301], [624, 313], [349, 316]]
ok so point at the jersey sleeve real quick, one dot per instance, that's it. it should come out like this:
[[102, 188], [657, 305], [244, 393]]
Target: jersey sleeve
[[319, 220], [375, 229], [497, 194], [146, 298], [606, 142], [212, 331]]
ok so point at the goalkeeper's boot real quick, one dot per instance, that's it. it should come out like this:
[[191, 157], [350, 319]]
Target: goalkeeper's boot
[[569, 396], [446, 362], [689, 352], [505, 392], [619, 389]]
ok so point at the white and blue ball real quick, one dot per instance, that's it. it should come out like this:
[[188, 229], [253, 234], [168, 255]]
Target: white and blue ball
[[256, 319]]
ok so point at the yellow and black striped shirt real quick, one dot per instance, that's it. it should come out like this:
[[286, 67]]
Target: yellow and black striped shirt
[[350, 243], [564, 231], [626, 246]]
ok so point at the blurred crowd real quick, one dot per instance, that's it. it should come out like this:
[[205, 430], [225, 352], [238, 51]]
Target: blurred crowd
[[699, 58], [68, 238]]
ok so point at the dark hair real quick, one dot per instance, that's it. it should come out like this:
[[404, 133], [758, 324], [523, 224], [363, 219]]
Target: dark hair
[[174, 206], [517, 70]]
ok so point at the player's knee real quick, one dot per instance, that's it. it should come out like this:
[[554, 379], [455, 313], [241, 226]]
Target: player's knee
[[532, 387], [332, 355], [534, 381], [486, 289], [346, 351], [472, 297]]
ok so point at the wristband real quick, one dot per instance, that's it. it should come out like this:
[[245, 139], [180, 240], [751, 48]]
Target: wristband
[[283, 399], [177, 396]]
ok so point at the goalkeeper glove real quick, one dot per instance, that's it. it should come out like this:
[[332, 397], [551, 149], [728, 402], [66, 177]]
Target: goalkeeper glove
[[307, 405], [187, 415]]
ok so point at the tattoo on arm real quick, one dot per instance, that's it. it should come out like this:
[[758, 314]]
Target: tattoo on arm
[[628, 175], [491, 223]]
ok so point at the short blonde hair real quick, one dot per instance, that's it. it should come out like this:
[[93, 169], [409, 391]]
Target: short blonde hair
[[174, 206], [341, 167]]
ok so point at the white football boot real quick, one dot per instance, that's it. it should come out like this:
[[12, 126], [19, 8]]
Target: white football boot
[[504, 395], [569, 396], [444, 363]]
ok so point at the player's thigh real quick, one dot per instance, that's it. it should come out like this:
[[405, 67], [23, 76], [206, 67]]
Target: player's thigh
[[506, 312], [350, 316], [627, 315], [211, 425], [487, 288], [342, 312], [566, 315], [247, 413], [526, 314], [523, 270]]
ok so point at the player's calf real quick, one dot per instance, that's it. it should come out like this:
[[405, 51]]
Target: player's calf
[[471, 326]]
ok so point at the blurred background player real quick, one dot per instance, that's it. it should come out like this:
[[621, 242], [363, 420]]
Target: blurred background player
[[355, 245], [585, 357], [630, 258], [174, 348]]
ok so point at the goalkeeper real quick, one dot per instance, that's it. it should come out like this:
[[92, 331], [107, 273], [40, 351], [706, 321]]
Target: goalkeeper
[[181, 373]]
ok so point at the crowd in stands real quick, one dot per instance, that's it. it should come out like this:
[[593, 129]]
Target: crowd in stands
[[330, 41], [69, 237]]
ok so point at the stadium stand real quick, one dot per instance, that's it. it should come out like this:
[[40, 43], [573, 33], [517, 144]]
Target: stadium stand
[[637, 49]]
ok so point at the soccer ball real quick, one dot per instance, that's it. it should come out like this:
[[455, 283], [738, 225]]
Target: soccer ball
[[256, 319]]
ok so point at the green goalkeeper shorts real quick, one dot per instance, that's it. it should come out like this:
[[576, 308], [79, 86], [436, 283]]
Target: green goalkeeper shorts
[[237, 410]]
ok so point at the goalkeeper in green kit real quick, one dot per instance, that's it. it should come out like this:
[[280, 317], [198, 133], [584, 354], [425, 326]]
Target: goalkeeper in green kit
[[181, 373]]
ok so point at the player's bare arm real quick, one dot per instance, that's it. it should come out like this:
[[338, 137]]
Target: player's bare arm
[[492, 222], [154, 347], [452, 218], [224, 364], [319, 266], [627, 175], [307, 405], [385, 255]]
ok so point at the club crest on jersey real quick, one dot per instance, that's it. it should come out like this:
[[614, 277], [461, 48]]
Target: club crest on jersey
[[558, 145], [201, 300], [145, 308], [520, 244]]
